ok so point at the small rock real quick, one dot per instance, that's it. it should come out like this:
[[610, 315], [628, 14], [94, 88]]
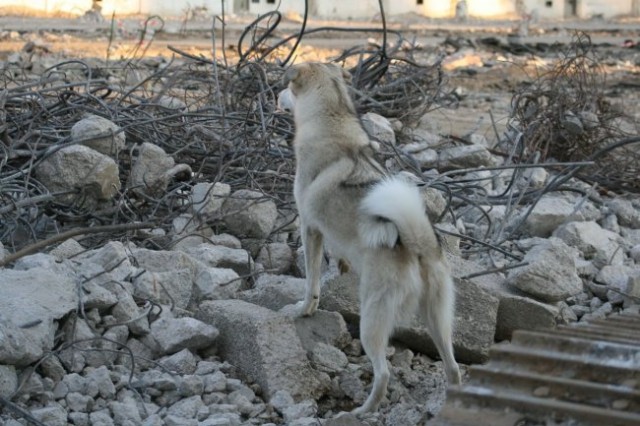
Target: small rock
[[464, 157], [379, 128], [550, 275], [165, 287], [78, 167], [186, 408], [209, 197], [66, 249], [249, 214], [593, 241], [275, 291], [281, 400], [174, 334], [552, 211], [54, 415], [523, 313], [152, 170], [101, 418], [8, 379], [183, 362], [277, 258], [293, 412], [328, 358], [100, 134], [223, 257], [628, 215]]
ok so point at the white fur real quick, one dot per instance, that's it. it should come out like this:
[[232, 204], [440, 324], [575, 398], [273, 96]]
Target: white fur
[[395, 200]]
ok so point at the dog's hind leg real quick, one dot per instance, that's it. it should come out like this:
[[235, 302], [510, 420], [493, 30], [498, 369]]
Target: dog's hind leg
[[377, 318], [312, 241], [437, 310]]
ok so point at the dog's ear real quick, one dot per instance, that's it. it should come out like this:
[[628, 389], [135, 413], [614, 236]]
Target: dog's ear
[[290, 75]]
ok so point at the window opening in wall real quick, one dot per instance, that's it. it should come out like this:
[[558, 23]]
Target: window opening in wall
[[419, 1], [548, 3]]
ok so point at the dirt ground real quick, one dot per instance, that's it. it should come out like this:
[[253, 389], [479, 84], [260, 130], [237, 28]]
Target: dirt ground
[[485, 78]]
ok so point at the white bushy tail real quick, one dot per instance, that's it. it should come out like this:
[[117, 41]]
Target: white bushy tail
[[393, 209]]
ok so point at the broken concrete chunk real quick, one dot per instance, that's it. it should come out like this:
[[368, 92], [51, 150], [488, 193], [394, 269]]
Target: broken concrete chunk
[[264, 345], [100, 134]]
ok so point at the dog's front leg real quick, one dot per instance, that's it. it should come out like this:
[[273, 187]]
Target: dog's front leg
[[312, 241]]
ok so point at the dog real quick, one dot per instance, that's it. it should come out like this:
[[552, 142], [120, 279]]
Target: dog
[[347, 202]]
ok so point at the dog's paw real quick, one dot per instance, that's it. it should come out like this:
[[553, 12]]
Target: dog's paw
[[306, 309]]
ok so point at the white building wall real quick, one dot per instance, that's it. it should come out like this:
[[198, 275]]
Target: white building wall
[[546, 9], [611, 8]]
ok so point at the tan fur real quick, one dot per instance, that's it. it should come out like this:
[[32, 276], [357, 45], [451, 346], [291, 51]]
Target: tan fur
[[335, 172]]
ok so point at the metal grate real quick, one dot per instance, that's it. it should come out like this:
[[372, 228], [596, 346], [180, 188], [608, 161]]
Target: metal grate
[[582, 374]]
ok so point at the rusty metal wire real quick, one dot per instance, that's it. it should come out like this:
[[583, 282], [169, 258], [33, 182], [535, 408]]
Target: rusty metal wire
[[221, 121], [564, 114]]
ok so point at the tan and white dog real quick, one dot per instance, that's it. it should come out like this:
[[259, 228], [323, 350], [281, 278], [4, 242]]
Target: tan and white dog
[[347, 202]]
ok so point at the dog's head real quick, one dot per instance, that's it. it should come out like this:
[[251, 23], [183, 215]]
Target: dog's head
[[326, 83]]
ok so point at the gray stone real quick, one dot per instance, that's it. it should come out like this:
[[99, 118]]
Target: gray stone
[[215, 382], [328, 358], [99, 380], [191, 385], [550, 274], [67, 249], [79, 402], [464, 157], [78, 167], [474, 326], [100, 134], [186, 408], [263, 345], [616, 279], [53, 415], [628, 215], [275, 291], [152, 170], [94, 296], [171, 287], [8, 380], [127, 311], [36, 299], [209, 197], [634, 253], [216, 283], [183, 362], [434, 201], [113, 258], [552, 211], [222, 419], [249, 214], [427, 158], [125, 413], [378, 127], [223, 257], [298, 411], [523, 313], [101, 418], [155, 420], [281, 400], [78, 419], [340, 294], [599, 313], [593, 241], [321, 327], [344, 419], [277, 258], [175, 334]]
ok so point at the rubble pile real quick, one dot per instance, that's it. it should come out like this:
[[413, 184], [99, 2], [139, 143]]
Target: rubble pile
[[182, 314]]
